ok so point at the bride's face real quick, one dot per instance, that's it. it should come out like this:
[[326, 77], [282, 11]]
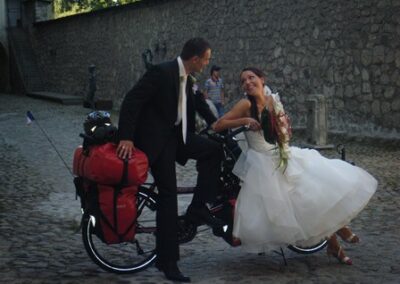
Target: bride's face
[[251, 83]]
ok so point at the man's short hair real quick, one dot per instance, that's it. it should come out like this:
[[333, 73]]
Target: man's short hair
[[214, 68], [194, 47]]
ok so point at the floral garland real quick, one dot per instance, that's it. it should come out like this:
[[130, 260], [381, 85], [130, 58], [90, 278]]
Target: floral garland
[[284, 131], [281, 126]]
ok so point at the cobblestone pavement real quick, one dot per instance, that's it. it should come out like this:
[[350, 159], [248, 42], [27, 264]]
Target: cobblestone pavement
[[39, 215]]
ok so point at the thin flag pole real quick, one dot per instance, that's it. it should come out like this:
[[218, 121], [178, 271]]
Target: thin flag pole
[[30, 118]]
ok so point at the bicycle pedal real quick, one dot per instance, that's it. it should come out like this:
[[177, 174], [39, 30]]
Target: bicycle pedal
[[218, 232], [193, 221]]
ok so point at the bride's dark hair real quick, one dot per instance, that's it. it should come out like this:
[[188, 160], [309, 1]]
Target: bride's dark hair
[[267, 122], [253, 109]]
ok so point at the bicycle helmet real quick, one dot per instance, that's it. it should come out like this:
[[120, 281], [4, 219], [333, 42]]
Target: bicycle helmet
[[96, 119], [98, 125]]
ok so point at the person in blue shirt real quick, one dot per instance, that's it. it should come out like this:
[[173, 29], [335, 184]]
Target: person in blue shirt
[[214, 89]]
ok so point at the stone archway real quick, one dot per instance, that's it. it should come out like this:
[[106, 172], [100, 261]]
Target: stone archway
[[4, 69]]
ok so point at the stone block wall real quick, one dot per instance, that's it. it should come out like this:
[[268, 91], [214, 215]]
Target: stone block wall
[[349, 51], [4, 61]]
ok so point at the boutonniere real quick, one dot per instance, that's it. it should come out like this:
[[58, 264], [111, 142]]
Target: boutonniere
[[195, 87], [192, 78]]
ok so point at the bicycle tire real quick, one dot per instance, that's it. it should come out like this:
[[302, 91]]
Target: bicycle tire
[[127, 257], [309, 250]]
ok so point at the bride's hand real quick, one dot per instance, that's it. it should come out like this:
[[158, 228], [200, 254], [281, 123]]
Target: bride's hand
[[253, 124]]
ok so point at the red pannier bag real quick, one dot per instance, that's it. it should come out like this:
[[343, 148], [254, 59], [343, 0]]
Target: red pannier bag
[[101, 164], [114, 208], [107, 187], [117, 212]]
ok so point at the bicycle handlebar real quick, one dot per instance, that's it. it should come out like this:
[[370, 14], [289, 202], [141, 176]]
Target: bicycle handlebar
[[237, 131], [221, 138], [216, 136]]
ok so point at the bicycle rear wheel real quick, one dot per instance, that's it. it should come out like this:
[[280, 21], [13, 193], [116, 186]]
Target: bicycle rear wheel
[[309, 250], [126, 257]]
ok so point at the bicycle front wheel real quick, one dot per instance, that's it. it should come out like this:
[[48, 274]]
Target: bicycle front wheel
[[309, 250], [126, 257]]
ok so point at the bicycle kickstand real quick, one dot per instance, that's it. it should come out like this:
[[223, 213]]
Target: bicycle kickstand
[[281, 253]]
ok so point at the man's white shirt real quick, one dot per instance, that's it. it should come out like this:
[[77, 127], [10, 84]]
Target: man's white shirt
[[182, 116]]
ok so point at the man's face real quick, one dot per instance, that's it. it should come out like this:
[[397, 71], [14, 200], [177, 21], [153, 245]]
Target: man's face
[[199, 62], [215, 74]]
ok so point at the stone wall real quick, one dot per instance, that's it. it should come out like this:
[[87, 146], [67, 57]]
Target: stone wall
[[4, 62], [349, 51]]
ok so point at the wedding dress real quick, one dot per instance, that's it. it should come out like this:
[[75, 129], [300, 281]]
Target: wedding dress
[[308, 202]]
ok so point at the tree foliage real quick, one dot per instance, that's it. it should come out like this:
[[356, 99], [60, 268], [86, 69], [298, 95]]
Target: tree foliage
[[70, 7]]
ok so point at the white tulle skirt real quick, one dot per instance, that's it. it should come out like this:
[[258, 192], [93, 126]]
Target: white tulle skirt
[[312, 199]]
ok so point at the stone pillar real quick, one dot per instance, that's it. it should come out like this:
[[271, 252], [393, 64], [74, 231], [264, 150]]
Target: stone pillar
[[4, 52], [3, 24], [36, 11], [317, 124], [43, 10]]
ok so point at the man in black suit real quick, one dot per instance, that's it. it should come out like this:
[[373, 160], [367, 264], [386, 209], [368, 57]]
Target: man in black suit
[[158, 116]]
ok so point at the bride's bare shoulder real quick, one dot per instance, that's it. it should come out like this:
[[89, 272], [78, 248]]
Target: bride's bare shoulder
[[244, 103], [242, 107]]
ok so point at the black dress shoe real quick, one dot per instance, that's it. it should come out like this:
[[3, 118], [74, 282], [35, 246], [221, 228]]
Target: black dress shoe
[[200, 215], [171, 271]]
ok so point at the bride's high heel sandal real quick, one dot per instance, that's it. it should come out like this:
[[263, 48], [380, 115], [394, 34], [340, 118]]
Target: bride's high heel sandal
[[349, 236], [339, 255], [236, 242]]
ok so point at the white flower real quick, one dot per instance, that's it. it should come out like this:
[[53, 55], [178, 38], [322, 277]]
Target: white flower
[[195, 88]]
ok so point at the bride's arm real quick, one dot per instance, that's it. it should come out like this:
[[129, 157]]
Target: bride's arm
[[237, 116]]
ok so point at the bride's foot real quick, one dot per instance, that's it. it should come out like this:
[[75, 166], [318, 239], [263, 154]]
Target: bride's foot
[[347, 235], [334, 249], [339, 255], [236, 241]]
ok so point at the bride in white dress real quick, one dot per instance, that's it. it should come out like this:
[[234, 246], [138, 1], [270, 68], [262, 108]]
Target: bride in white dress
[[289, 195]]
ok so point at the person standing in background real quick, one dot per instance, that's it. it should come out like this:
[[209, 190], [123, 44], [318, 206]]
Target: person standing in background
[[214, 89]]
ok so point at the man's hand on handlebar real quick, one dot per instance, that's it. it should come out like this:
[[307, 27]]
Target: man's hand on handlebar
[[125, 149]]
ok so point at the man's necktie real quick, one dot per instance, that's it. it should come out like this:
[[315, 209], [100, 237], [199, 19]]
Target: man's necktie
[[184, 115]]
